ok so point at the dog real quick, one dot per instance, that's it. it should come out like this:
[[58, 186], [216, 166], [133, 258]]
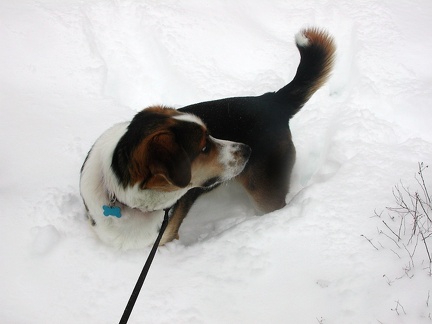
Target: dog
[[137, 169], [262, 122], [124, 170]]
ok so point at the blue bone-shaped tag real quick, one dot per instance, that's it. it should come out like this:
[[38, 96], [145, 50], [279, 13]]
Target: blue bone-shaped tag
[[111, 211]]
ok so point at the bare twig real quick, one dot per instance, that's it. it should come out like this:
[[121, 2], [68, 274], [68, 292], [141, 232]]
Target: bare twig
[[410, 255], [427, 300], [396, 309], [424, 210], [426, 246], [391, 230], [423, 184], [376, 214], [389, 282], [396, 254], [400, 226], [415, 216], [370, 241], [391, 238]]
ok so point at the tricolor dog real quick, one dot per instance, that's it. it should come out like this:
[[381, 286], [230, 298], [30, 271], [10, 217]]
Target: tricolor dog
[[166, 158]]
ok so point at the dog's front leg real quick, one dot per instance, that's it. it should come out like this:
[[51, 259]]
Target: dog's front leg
[[179, 212]]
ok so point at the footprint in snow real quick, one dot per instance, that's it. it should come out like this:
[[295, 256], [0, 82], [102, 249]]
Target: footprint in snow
[[45, 238]]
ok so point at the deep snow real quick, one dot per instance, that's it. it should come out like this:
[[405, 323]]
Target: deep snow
[[70, 69]]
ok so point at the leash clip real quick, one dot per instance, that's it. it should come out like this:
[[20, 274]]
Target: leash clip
[[113, 200]]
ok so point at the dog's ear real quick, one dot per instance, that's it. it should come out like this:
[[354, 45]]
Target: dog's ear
[[168, 163]]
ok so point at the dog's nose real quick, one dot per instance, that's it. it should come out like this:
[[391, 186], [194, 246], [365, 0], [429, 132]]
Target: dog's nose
[[245, 151]]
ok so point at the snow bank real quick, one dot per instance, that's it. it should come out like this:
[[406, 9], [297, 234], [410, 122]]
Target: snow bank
[[72, 69]]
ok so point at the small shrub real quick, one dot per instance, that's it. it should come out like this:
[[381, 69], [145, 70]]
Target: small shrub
[[408, 224]]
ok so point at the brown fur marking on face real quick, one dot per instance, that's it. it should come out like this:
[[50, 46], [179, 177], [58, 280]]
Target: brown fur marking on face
[[168, 159], [138, 168], [207, 165]]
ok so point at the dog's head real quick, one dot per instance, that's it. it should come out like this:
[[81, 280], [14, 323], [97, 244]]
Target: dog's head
[[165, 150]]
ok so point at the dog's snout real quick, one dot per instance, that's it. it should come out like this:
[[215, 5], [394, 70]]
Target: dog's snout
[[245, 151], [240, 152]]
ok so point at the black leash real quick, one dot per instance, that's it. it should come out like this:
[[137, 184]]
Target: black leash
[[141, 278]]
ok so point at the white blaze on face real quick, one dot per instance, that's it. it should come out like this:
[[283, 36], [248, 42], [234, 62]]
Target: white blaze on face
[[189, 118]]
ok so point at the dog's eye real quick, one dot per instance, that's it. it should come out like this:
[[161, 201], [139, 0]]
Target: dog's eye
[[207, 147]]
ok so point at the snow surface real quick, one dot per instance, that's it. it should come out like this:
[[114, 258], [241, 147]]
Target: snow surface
[[70, 69]]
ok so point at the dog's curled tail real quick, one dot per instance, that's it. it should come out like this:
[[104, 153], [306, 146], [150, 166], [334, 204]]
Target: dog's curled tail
[[317, 51]]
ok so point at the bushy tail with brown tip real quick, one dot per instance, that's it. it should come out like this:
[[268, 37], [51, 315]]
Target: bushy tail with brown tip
[[317, 51]]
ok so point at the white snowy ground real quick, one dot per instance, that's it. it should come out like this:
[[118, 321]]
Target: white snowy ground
[[70, 69]]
